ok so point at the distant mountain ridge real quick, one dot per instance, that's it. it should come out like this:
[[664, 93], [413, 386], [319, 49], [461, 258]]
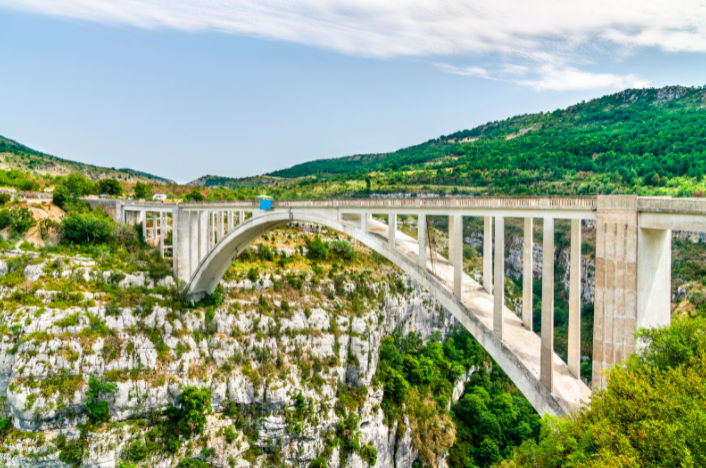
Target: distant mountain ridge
[[213, 181], [592, 117], [14, 155]]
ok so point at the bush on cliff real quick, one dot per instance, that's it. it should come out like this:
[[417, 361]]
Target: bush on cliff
[[89, 228]]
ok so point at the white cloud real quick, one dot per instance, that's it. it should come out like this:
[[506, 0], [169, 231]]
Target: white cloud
[[545, 33], [465, 71], [568, 79]]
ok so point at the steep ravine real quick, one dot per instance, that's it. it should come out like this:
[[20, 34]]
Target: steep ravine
[[293, 333]]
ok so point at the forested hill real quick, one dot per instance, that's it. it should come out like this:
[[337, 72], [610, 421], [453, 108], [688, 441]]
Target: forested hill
[[637, 137], [14, 155]]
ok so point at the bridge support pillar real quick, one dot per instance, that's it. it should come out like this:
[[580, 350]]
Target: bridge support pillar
[[546, 376], [422, 238], [499, 290], [452, 235], [654, 281], [574, 344], [488, 254], [364, 222], [615, 311], [457, 258], [203, 235], [182, 245], [193, 241], [527, 274], [154, 225], [220, 226], [391, 228]]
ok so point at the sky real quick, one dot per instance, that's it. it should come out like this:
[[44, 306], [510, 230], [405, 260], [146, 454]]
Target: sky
[[185, 88]]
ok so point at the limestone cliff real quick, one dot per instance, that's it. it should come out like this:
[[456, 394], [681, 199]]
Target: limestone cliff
[[282, 335]]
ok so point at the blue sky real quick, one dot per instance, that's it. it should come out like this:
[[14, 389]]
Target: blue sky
[[186, 88]]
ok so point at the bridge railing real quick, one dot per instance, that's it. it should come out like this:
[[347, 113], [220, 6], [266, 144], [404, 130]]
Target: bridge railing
[[587, 203], [672, 205]]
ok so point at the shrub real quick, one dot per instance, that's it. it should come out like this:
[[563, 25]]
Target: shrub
[[318, 462], [317, 249], [369, 454], [136, 451], [46, 225], [230, 435], [252, 274], [194, 405], [4, 198], [19, 219], [342, 249], [87, 228], [157, 267], [194, 196], [125, 235], [70, 451], [192, 463], [96, 405]]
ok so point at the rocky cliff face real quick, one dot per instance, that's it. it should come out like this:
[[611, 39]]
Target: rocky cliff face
[[267, 345]]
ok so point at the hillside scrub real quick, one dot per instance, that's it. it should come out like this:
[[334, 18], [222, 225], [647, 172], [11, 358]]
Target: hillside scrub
[[652, 413]]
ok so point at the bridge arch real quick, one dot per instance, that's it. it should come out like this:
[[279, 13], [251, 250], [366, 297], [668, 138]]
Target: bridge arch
[[214, 265]]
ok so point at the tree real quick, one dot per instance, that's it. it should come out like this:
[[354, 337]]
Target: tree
[[194, 196], [194, 404], [20, 220], [87, 228], [99, 391], [110, 187], [78, 185], [142, 191]]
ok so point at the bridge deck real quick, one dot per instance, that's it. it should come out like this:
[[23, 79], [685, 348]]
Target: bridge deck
[[522, 342]]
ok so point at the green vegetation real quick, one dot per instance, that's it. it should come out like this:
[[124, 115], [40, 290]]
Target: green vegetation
[[96, 405], [26, 160], [652, 413], [491, 419], [193, 405], [20, 220], [85, 229]]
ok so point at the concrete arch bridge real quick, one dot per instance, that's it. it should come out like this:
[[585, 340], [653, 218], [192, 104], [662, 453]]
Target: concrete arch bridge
[[633, 267]]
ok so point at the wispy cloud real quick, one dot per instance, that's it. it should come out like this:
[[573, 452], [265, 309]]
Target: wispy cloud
[[569, 79], [545, 33], [464, 71]]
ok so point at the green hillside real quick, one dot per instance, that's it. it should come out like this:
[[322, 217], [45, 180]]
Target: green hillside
[[16, 156], [647, 141]]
